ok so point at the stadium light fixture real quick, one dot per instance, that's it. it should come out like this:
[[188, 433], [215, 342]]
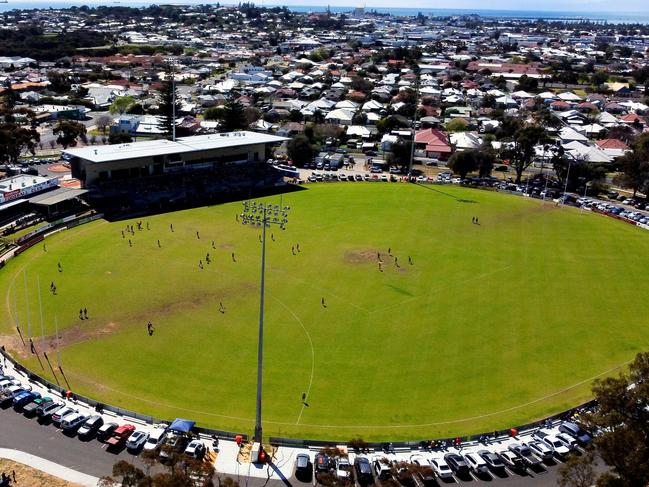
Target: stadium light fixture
[[262, 215]]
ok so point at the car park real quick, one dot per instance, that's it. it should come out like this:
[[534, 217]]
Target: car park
[[492, 460], [525, 453], [195, 449], [72, 422], [476, 463], [363, 470], [90, 426], [576, 431], [457, 464], [136, 440], [441, 468]]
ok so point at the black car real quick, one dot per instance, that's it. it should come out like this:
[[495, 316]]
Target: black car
[[457, 464], [106, 431], [302, 466], [90, 426], [32, 408], [492, 460], [363, 471]]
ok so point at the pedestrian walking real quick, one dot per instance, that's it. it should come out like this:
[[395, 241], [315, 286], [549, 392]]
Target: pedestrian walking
[[44, 248], [13, 475], [323, 303], [31, 346], [303, 396], [389, 251], [207, 258], [213, 245], [130, 244], [198, 236], [221, 307], [60, 267], [171, 227], [410, 260], [476, 221], [147, 226], [380, 266], [378, 255], [200, 264], [272, 237], [122, 233], [233, 257], [158, 242], [259, 238], [298, 247], [293, 249], [85, 312], [80, 314]]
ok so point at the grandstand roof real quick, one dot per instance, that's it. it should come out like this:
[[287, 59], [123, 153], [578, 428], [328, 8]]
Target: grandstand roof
[[150, 148]]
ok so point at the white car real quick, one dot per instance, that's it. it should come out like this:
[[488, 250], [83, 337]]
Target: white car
[[476, 463], [555, 445], [541, 450], [137, 440], [441, 468], [567, 441], [195, 449], [425, 471], [343, 468], [156, 438]]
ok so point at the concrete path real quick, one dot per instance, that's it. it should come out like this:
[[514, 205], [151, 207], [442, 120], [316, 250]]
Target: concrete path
[[49, 467]]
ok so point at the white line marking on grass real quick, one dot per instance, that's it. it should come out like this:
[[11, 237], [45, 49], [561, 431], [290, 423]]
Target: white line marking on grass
[[306, 332]]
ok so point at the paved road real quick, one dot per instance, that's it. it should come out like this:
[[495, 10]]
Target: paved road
[[46, 441]]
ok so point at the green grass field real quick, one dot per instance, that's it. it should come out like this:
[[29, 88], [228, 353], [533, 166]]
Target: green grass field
[[494, 325]]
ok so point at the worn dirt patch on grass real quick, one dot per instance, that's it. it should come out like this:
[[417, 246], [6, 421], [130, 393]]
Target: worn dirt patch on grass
[[361, 256]]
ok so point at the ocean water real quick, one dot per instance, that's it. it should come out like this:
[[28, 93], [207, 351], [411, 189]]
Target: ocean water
[[611, 17]]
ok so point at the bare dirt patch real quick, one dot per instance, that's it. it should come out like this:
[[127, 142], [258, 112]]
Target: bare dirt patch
[[361, 256], [59, 167], [30, 476]]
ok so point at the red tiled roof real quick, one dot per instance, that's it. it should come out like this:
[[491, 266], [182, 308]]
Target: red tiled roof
[[611, 144], [435, 140]]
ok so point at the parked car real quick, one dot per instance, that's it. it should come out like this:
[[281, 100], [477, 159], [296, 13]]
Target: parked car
[[441, 468], [457, 464], [567, 441], [511, 460], [59, 416], [24, 398], [137, 440], [525, 454], [195, 449], [322, 463], [302, 466], [381, 469], [90, 426], [425, 471], [343, 468], [492, 460], [541, 450], [476, 463], [106, 431], [45, 411], [31, 408], [552, 442], [120, 436], [363, 470], [72, 422], [156, 438], [577, 432], [173, 444]]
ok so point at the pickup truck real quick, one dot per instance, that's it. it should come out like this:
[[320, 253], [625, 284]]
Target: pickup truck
[[120, 435]]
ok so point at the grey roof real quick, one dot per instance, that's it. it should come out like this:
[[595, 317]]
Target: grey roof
[[150, 148], [56, 196]]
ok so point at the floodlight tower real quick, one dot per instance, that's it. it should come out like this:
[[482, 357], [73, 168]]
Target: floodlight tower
[[262, 215]]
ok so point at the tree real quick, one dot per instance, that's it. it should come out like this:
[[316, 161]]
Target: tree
[[622, 418], [520, 151], [400, 154], [634, 166], [121, 104], [300, 150], [234, 117], [120, 138], [457, 125], [68, 131], [16, 140], [59, 82], [464, 162], [577, 471], [169, 105], [9, 98], [526, 83], [103, 122]]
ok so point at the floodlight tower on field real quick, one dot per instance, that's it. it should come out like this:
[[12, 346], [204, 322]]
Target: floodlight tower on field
[[262, 215]]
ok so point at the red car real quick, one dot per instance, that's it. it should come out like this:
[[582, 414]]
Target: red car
[[120, 435]]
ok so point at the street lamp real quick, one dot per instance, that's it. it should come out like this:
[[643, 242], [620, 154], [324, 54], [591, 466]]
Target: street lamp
[[262, 215]]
